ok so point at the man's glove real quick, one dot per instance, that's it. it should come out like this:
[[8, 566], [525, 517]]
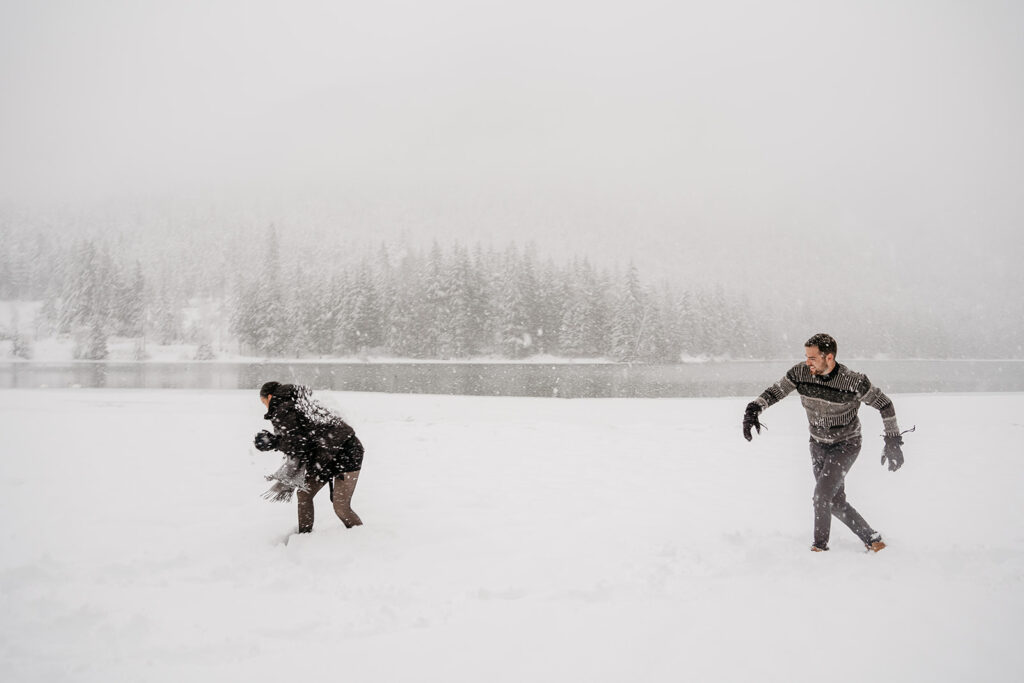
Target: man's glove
[[265, 441], [750, 419], [892, 452]]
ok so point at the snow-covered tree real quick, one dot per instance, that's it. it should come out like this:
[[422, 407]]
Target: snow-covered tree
[[265, 319], [629, 319], [129, 304], [360, 319], [583, 330], [517, 304], [402, 336], [165, 317]]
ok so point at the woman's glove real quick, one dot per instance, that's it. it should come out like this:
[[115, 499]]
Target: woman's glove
[[265, 441]]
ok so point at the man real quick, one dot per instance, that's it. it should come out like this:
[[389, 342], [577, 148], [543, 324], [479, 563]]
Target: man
[[831, 394], [319, 447]]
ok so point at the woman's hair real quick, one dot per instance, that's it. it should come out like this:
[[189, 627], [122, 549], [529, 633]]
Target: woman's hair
[[269, 389]]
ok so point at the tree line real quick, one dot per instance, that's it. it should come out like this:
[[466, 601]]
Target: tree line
[[461, 302], [452, 302]]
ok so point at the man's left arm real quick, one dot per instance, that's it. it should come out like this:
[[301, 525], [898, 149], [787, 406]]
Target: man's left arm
[[874, 397]]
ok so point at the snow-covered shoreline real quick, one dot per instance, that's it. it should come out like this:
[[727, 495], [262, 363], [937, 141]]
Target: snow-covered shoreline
[[52, 350], [506, 539], [577, 380]]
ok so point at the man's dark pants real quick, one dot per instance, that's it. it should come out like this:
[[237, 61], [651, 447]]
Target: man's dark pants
[[830, 463]]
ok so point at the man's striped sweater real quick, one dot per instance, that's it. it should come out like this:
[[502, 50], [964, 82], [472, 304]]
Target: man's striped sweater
[[832, 401]]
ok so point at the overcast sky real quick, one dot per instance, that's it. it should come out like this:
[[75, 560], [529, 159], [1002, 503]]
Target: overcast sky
[[695, 133]]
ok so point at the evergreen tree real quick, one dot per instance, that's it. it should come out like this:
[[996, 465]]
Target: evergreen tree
[[707, 316], [670, 335], [435, 312], [243, 314], [385, 285], [651, 346], [45, 273], [479, 288], [690, 334], [92, 344], [47, 317], [552, 295], [7, 287], [517, 306], [86, 301], [583, 331], [319, 307], [402, 336], [22, 346], [629, 319], [130, 304], [78, 296], [360, 321], [295, 313], [741, 332], [270, 323], [717, 323], [166, 317], [448, 303]]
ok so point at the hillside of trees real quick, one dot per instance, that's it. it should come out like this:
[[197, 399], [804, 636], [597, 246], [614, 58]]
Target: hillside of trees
[[282, 296], [439, 303]]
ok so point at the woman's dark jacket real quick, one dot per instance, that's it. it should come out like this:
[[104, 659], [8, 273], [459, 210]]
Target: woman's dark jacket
[[308, 431]]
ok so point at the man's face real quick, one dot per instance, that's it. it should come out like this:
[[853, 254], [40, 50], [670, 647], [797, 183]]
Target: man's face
[[265, 400], [819, 363]]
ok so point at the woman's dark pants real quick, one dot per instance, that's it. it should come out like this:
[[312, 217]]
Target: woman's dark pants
[[344, 487]]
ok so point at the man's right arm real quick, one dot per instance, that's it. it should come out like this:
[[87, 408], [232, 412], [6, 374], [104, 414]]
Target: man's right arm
[[769, 396], [778, 391]]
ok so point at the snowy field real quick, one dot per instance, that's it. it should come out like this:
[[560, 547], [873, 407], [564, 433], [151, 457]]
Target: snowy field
[[505, 539]]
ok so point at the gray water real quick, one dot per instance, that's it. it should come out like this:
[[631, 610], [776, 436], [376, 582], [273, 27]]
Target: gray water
[[578, 380]]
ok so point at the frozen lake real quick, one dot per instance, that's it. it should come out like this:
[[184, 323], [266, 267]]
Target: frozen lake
[[566, 380]]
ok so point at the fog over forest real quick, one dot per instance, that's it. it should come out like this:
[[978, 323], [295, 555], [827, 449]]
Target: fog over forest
[[762, 171]]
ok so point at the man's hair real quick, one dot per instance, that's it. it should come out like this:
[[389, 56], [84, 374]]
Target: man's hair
[[269, 389], [825, 343]]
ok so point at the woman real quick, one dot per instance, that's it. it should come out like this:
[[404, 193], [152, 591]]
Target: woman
[[320, 448]]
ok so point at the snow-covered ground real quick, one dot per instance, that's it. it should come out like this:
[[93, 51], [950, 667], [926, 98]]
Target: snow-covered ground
[[505, 539]]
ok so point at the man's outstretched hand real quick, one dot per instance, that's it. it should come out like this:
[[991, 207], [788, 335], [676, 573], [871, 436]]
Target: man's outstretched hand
[[750, 420], [893, 452]]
